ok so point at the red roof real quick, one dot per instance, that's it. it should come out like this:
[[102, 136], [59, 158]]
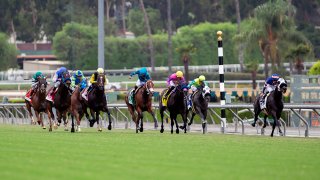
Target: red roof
[[37, 57], [30, 46]]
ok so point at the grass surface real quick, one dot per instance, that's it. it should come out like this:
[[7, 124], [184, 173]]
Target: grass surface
[[28, 152]]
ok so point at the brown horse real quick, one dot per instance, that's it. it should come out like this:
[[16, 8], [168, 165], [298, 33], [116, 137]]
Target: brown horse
[[78, 108], [38, 100], [61, 102], [97, 102], [143, 102]]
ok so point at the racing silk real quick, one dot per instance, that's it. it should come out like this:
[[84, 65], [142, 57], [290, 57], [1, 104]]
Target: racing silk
[[142, 77], [173, 77], [93, 78], [269, 81], [197, 83], [59, 74], [81, 83]]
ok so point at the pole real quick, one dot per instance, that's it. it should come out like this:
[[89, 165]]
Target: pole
[[221, 76], [101, 34]]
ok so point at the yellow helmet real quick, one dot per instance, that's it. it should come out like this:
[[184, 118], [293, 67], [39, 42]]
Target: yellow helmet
[[179, 74], [202, 78], [100, 70]]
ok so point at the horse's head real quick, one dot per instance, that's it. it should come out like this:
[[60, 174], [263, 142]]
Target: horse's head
[[282, 85], [42, 84], [101, 79], [149, 87], [66, 79], [206, 93]]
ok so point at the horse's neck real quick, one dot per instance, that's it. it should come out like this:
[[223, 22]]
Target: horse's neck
[[41, 95]]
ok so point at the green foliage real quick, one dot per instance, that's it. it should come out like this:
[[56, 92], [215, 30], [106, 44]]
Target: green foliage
[[315, 69], [137, 25], [8, 53], [77, 44]]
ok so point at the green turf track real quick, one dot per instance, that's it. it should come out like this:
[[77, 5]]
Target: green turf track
[[28, 152]]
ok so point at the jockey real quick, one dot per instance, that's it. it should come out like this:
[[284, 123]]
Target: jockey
[[174, 80], [195, 85], [143, 77], [93, 81], [58, 76], [79, 79], [269, 86], [35, 80]]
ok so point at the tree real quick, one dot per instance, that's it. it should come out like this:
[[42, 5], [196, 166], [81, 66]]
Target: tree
[[185, 51], [148, 30], [269, 24], [240, 47], [8, 53]]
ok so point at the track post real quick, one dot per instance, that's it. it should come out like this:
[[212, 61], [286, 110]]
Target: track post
[[221, 85]]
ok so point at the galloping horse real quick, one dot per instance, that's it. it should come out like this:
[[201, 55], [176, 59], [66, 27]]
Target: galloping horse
[[143, 102], [78, 108], [97, 102], [200, 101], [176, 104], [274, 105], [61, 102], [38, 100]]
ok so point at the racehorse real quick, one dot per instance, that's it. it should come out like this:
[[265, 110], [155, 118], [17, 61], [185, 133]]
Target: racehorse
[[274, 105], [38, 100], [97, 102], [143, 102], [61, 102], [200, 100], [176, 104], [78, 108]]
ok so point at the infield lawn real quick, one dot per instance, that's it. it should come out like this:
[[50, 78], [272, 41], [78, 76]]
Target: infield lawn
[[28, 152]]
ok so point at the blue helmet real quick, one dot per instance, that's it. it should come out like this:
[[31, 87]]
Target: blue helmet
[[143, 71], [275, 77]]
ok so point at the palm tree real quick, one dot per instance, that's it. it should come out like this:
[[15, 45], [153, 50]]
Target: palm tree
[[148, 29], [185, 52], [268, 26], [240, 48]]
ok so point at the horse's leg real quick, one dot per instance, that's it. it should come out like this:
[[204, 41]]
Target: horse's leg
[[172, 118], [39, 117], [177, 125], [278, 123], [109, 117], [162, 109], [30, 112], [274, 123], [257, 111], [203, 115], [65, 122], [98, 121], [72, 123], [93, 120], [141, 121], [154, 118]]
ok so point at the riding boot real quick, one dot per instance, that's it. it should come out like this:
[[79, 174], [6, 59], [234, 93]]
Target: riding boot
[[134, 92], [165, 96]]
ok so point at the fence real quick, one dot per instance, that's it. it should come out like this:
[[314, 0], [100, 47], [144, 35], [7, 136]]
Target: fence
[[17, 114]]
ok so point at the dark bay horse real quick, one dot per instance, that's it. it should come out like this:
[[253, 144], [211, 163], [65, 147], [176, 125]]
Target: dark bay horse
[[97, 102], [39, 103], [61, 102], [176, 104], [78, 108], [143, 102], [274, 105], [200, 100]]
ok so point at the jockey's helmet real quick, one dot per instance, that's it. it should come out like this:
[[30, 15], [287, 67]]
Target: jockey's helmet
[[202, 78], [38, 74], [143, 71], [275, 77], [179, 74], [79, 73], [100, 70]]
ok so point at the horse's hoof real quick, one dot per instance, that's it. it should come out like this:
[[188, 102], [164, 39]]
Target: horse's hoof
[[253, 125], [66, 129], [161, 130], [58, 124], [99, 129], [177, 131], [72, 130], [280, 133], [137, 131], [44, 127], [171, 131], [109, 127], [181, 127], [39, 122], [50, 129], [141, 129], [189, 124]]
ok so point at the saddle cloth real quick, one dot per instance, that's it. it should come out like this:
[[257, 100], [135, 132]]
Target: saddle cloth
[[130, 97]]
